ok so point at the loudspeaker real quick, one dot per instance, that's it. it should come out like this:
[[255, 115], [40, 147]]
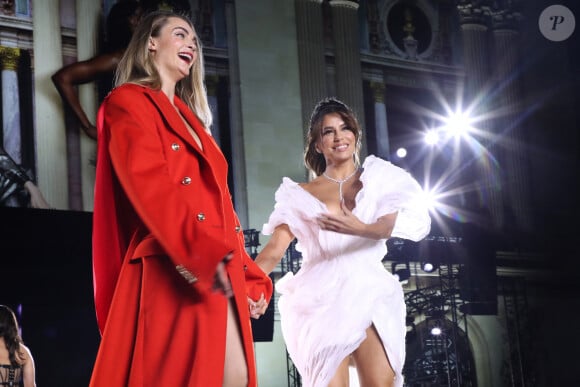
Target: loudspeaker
[[478, 276]]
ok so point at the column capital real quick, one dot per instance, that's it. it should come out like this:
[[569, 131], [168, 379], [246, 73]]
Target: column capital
[[344, 3], [473, 12], [9, 57], [310, 1], [378, 89], [505, 20]]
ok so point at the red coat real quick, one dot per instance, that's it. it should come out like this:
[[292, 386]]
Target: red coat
[[163, 219]]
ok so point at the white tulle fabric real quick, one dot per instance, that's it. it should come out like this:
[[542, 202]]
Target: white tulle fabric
[[342, 286]]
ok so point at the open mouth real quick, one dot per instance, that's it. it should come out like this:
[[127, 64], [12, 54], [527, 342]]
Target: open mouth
[[186, 57]]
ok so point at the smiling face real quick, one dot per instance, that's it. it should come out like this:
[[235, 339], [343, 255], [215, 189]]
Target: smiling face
[[174, 49], [337, 141]]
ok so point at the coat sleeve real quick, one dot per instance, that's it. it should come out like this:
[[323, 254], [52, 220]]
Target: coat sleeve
[[184, 218], [257, 282]]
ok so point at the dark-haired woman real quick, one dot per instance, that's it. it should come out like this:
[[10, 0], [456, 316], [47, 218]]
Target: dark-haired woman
[[343, 307], [16, 362]]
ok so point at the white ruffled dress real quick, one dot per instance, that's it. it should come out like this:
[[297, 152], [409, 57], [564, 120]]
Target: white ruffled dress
[[342, 286]]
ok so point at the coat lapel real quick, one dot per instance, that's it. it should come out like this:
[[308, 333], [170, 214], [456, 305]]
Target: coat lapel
[[211, 153], [174, 121]]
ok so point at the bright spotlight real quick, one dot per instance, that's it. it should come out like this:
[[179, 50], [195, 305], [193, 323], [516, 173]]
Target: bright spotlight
[[458, 124], [431, 137], [428, 267], [429, 199], [436, 331], [401, 153]]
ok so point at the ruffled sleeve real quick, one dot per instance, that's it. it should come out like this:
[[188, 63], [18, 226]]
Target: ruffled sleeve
[[395, 190], [293, 208]]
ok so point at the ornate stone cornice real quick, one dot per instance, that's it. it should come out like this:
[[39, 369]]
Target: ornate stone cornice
[[473, 11], [505, 19], [344, 3], [498, 15], [9, 57]]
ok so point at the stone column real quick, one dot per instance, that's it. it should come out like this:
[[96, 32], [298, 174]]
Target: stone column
[[49, 121], [517, 185], [238, 163], [311, 61], [487, 193], [381, 127], [348, 72], [9, 57], [212, 82], [87, 15]]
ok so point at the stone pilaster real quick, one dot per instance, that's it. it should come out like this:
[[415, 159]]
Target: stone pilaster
[[9, 57], [516, 164], [311, 61], [49, 121], [348, 72], [381, 127]]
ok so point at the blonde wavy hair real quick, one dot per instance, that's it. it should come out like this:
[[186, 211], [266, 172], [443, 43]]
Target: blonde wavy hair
[[137, 66]]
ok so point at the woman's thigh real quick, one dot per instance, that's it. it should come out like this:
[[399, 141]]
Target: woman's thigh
[[372, 363]]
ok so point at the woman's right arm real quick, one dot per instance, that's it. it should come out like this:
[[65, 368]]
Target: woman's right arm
[[275, 249], [68, 77], [28, 370]]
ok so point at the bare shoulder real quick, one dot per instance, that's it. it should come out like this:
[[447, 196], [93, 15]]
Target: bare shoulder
[[312, 186], [26, 354]]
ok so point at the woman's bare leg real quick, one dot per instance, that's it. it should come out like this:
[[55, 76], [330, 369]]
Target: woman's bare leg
[[372, 364], [235, 367], [341, 377]]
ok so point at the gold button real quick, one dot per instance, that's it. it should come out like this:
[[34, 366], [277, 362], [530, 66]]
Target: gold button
[[175, 146], [186, 180], [238, 228], [201, 216]]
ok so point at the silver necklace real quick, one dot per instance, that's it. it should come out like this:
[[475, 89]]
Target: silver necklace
[[340, 182]]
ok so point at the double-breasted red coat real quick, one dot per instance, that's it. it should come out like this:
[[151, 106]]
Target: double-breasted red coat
[[163, 220]]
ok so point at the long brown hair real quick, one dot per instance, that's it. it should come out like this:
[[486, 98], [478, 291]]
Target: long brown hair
[[9, 332], [136, 65], [314, 160]]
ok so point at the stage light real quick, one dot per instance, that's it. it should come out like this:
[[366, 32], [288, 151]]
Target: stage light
[[431, 137], [429, 267], [401, 153], [458, 124]]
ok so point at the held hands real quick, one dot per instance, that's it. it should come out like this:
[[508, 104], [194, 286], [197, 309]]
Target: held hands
[[257, 308]]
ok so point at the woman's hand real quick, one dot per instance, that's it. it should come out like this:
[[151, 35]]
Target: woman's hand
[[37, 200], [344, 222], [221, 281], [257, 308], [347, 223], [91, 131]]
